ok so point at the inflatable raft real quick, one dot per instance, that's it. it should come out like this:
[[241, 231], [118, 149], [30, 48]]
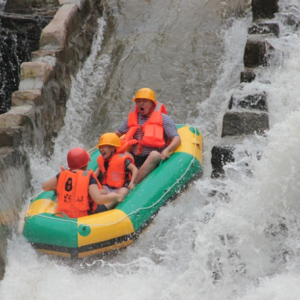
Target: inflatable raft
[[119, 227]]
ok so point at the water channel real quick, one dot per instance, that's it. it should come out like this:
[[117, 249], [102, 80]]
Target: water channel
[[232, 238]]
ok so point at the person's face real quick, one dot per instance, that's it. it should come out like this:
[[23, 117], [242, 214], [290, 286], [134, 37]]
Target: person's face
[[106, 151], [145, 106]]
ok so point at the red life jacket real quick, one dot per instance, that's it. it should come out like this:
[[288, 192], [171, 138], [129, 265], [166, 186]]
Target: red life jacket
[[115, 175], [152, 132], [73, 193]]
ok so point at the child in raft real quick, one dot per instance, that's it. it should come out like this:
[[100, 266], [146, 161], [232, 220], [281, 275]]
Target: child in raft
[[115, 165], [79, 193]]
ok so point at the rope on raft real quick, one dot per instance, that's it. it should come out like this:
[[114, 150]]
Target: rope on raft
[[139, 209]]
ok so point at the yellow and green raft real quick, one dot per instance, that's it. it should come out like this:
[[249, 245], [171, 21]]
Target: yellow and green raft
[[119, 227]]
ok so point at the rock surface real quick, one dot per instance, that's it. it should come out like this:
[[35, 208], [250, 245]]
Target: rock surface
[[42, 83]]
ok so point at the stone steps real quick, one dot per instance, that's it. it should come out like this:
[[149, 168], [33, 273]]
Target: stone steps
[[248, 113]]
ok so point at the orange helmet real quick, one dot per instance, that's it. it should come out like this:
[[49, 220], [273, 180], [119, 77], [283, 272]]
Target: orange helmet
[[145, 93], [110, 139], [78, 158]]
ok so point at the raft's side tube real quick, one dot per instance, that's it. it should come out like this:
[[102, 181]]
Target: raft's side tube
[[104, 232]]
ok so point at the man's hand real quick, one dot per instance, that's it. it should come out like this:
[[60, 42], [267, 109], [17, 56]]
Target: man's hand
[[131, 186], [120, 198], [165, 154]]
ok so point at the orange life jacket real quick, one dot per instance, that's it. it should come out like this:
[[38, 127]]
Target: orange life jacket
[[73, 193], [115, 175], [152, 132], [124, 146]]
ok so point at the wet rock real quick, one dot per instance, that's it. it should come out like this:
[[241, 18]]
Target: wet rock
[[15, 117], [10, 137], [44, 7], [22, 97], [34, 75], [13, 164], [13, 157], [2, 266], [264, 9], [241, 123], [220, 156], [231, 149], [247, 76], [257, 52], [290, 19], [4, 232], [264, 28], [56, 35], [258, 101]]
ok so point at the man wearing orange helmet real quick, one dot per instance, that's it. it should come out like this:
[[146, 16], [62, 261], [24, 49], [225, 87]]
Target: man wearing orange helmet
[[79, 193], [150, 130], [116, 167]]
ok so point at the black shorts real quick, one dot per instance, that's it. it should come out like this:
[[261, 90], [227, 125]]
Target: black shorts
[[139, 160], [100, 208]]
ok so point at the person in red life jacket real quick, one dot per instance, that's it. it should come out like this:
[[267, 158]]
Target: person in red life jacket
[[79, 192], [115, 165], [151, 131]]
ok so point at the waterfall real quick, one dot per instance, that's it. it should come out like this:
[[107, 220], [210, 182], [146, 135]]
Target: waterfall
[[9, 67], [19, 36]]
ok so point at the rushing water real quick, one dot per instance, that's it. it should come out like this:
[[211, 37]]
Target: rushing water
[[233, 238]]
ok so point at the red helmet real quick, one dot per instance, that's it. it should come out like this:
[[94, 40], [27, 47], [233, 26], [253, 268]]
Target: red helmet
[[78, 158]]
